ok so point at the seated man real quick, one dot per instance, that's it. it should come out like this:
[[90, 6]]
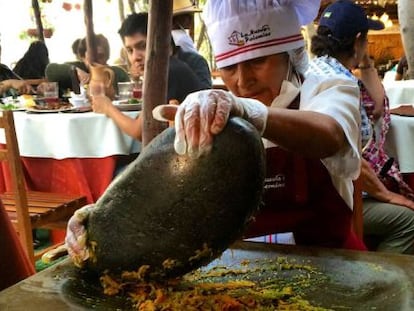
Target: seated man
[[181, 79], [63, 73]]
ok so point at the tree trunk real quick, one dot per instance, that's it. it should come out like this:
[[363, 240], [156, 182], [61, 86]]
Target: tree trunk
[[38, 18], [131, 5], [156, 65], [121, 10], [406, 20], [90, 35]]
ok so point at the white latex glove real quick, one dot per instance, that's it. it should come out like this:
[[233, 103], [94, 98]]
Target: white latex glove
[[205, 113], [76, 236]]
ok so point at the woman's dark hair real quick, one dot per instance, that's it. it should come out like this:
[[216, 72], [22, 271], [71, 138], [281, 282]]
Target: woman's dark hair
[[134, 23], [324, 43], [75, 47], [100, 40], [33, 63]]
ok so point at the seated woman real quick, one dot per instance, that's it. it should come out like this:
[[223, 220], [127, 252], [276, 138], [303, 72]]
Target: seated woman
[[310, 126], [63, 73], [33, 63], [388, 206]]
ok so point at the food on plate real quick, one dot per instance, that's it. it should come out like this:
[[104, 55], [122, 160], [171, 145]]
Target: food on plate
[[27, 101], [14, 103], [174, 213], [134, 101], [42, 104]]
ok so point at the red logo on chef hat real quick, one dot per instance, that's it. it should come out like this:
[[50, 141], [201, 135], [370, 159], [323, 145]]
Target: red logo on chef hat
[[236, 39]]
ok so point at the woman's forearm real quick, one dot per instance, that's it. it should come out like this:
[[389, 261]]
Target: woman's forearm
[[128, 125], [310, 133]]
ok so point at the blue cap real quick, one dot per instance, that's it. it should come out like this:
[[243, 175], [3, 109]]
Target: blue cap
[[346, 19]]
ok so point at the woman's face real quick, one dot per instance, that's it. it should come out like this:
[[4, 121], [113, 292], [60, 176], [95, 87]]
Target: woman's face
[[259, 78], [361, 48]]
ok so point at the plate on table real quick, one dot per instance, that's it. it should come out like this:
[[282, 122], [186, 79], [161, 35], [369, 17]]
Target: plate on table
[[128, 105], [50, 108], [10, 103], [406, 110]]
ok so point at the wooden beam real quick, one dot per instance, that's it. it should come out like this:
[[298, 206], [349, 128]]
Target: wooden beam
[[38, 18], [90, 34], [156, 65]]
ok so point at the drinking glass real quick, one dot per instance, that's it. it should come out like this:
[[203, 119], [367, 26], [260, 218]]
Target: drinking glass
[[51, 92], [125, 90]]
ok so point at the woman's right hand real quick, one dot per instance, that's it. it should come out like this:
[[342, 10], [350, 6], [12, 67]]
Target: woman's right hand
[[101, 104], [399, 199], [76, 236]]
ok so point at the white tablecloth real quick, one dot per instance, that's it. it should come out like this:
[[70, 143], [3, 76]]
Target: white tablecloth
[[400, 142], [71, 135], [399, 92]]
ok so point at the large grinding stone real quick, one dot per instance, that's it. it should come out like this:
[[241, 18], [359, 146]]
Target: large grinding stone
[[175, 213]]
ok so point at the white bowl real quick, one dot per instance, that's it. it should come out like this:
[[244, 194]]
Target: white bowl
[[78, 102]]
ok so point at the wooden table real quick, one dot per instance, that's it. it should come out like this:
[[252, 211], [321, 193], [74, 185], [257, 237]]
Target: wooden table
[[341, 280], [73, 153], [399, 92]]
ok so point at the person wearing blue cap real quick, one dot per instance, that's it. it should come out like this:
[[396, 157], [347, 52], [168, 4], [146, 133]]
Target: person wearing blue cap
[[341, 45]]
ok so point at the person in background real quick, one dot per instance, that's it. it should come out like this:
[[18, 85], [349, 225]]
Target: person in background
[[11, 84], [183, 21], [75, 48], [310, 127], [62, 73], [33, 63], [181, 79], [183, 18], [388, 213], [402, 69]]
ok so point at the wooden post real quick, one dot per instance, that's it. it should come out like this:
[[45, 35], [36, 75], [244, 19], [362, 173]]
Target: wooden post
[[156, 65], [121, 10], [90, 35], [38, 18]]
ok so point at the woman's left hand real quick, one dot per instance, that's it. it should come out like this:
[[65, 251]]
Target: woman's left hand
[[83, 76], [204, 114], [101, 104], [21, 86]]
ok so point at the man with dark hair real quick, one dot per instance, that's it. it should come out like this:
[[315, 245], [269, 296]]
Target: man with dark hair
[[181, 79]]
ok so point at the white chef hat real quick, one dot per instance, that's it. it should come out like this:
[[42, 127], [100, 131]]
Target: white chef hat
[[240, 30]]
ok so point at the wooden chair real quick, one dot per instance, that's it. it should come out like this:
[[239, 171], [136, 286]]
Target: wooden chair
[[31, 209]]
